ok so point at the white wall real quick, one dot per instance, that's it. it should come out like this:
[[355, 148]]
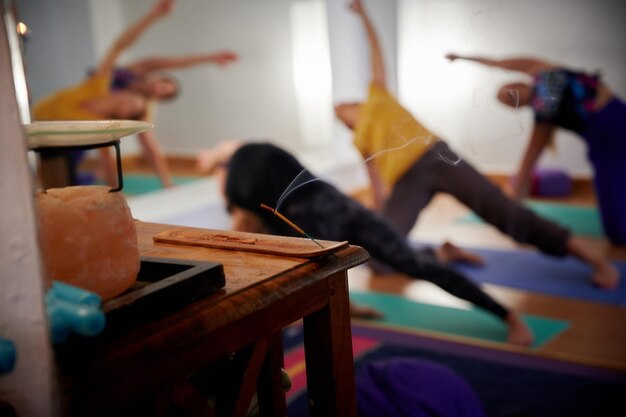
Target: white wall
[[350, 62], [458, 100], [350, 51], [59, 49], [255, 97]]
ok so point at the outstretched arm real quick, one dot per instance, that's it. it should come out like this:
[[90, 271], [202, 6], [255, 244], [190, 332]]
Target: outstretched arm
[[540, 138], [130, 35], [528, 65], [147, 65], [376, 56]]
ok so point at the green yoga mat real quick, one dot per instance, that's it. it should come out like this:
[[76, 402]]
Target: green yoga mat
[[399, 311], [580, 220], [135, 184]]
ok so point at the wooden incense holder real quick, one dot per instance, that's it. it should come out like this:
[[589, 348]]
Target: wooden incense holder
[[249, 242]]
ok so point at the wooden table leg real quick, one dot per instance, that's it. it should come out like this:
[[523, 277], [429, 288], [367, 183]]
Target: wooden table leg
[[270, 387], [250, 377], [328, 354]]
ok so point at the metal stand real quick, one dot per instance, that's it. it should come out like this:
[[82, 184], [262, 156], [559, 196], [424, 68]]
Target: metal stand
[[58, 170]]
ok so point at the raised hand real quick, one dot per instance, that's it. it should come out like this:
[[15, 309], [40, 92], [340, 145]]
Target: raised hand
[[162, 8], [224, 58], [357, 7]]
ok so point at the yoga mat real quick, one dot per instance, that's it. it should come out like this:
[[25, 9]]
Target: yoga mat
[[581, 220], [135, 184], [534, 271], [507, 383], [475, 323]]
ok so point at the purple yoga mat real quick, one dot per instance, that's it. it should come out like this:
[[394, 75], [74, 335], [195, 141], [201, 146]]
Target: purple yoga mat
[[534, 271]]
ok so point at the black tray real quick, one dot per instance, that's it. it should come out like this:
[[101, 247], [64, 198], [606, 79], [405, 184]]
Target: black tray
[[162, 285]]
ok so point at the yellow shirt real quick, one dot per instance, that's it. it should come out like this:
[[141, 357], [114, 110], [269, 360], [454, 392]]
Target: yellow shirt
[[390, 134], [66, 104]]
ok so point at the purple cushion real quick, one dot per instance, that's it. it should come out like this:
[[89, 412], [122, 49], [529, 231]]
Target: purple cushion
[[408, 387], [551, 183]]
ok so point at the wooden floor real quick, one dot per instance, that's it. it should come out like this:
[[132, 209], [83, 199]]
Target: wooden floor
[[597, 332]]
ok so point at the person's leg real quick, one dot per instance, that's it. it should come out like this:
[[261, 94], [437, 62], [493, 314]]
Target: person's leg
[[606, 141], [612, 204], [410, 195], [475, 191], [402, 208], [448, 253], [333, 216], [152, 152], [605, 274]]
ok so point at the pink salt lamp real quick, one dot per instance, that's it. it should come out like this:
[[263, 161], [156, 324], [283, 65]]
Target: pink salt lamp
[[88, 239]]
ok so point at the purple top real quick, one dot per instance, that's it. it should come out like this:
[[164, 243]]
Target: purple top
[[564, 97]]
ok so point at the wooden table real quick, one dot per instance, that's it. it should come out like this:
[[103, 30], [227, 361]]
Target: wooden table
[[263, 294]]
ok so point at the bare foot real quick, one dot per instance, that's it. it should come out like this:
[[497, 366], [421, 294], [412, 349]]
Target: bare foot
[[519, 332], [363, 312], [606, 276], [206, 161], [448, 252]]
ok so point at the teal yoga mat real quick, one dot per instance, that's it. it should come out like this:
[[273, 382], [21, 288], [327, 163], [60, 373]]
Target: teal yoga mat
[[135, 184], [401, 312], [581, 220]]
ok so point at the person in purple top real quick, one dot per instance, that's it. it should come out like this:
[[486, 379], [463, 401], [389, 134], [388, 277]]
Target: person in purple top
[[581, 103], [146, 75]]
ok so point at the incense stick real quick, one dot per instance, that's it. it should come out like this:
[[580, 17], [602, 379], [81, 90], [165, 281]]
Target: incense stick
[[290, 223]]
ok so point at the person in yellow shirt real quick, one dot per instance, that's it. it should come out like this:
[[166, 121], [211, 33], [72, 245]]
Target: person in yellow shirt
[[148, 77], [408, 165], [93, 99]]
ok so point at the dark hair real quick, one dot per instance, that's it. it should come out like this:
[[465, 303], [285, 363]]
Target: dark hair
[[259, 173]]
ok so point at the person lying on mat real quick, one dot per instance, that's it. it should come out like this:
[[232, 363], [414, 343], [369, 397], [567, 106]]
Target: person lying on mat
[[214, 161], [259, 173], [579, 102], [407, 170]]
